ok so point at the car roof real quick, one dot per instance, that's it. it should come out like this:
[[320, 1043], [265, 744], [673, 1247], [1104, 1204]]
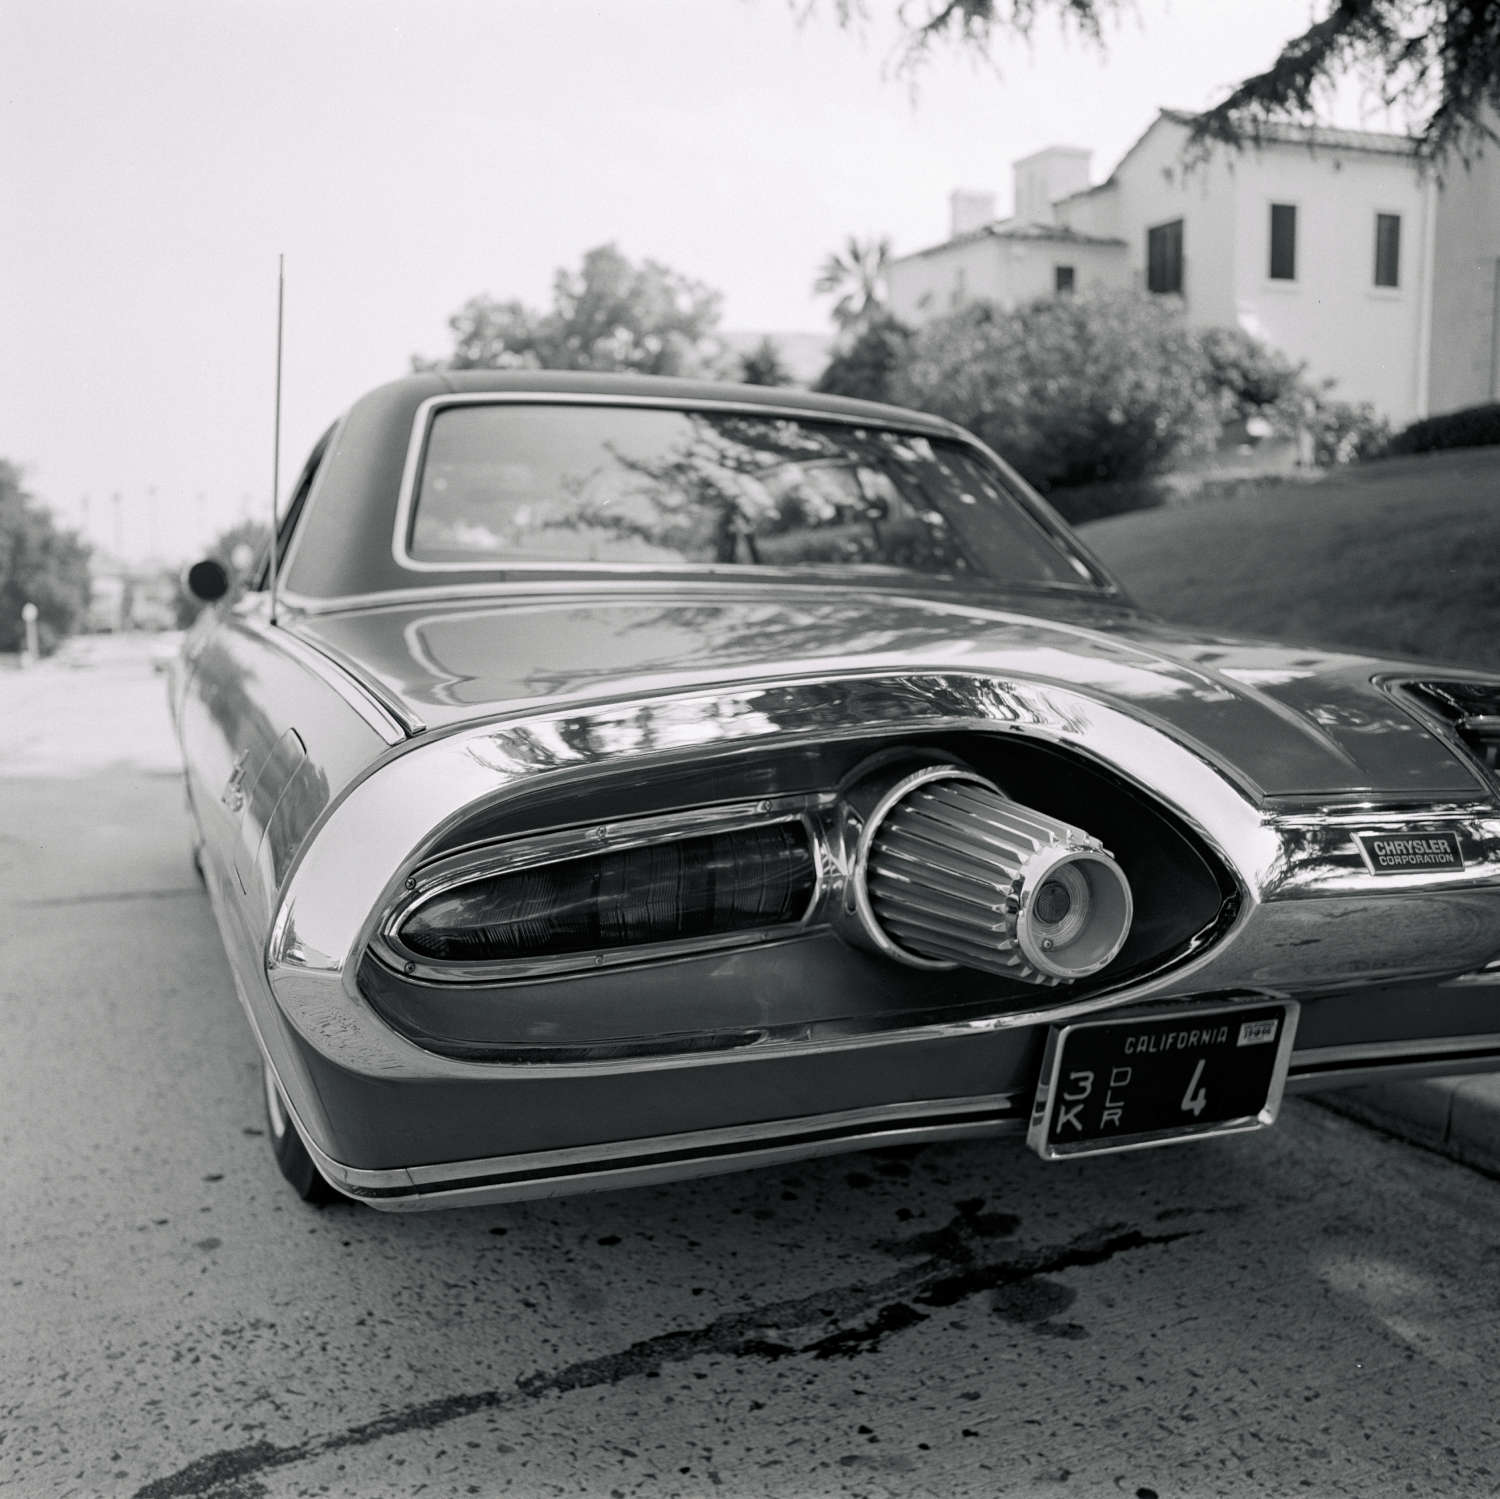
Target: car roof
[[342, 545], [668, 388]]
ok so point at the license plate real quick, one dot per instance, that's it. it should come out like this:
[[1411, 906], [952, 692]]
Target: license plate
[[1126, 1083]]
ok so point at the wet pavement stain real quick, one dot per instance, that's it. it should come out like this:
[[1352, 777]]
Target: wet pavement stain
[[952, 1268]]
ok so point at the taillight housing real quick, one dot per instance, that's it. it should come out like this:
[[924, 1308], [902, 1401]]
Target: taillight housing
[[538, 909], [1470, 709]]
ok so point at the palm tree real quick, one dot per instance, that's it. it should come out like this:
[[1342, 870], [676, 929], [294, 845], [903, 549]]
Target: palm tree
[[857, 277]]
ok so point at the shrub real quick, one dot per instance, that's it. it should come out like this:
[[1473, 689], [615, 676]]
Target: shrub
[[1249, 377], [1345, 431], [870, 365], [1473, 427], [1109, 385]]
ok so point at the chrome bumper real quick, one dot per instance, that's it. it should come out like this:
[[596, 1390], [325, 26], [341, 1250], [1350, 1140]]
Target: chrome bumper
[[613, 1166]]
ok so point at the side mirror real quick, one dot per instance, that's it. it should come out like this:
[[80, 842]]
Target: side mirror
[[207, 581]]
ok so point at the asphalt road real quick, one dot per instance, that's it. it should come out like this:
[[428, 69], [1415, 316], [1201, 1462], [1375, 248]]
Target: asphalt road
[[1310, 1310]]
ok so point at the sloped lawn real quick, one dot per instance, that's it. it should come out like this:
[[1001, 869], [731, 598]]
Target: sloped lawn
[[1400, 557]]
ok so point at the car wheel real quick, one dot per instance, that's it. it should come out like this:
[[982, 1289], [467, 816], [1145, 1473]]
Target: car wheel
[[286, 1145]]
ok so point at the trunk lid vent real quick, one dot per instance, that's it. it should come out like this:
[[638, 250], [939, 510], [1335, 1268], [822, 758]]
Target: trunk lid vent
[[1471, 712]]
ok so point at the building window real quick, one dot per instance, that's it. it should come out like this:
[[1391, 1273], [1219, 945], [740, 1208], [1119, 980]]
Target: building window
[[1283, 242], [1387, 249], [1164, 257], [1063, 278]]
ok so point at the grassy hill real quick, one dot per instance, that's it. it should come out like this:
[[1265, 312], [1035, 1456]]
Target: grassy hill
[[1401, 556]]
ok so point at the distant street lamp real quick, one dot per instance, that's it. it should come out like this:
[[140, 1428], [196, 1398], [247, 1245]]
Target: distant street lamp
[[32, 650]]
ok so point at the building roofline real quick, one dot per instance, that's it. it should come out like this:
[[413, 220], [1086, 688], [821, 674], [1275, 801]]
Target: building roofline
[[1275, 133], [1010, 229], [1021, 161], [1292, 133]]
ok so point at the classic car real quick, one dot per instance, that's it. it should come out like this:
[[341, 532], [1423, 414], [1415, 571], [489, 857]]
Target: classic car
[[609, 780]]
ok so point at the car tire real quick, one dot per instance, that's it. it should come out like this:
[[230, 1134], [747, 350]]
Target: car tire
[[291, 1154]]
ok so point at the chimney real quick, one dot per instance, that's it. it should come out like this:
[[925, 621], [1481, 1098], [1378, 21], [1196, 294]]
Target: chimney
[[1044, 177], [969, 210]]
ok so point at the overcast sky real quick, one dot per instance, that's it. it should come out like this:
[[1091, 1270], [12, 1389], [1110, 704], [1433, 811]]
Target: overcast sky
[[406, 154]]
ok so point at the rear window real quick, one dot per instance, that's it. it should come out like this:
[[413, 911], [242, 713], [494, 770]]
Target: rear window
[[508, 483]]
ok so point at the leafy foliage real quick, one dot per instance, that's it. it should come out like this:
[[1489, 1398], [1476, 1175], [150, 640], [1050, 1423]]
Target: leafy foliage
[[1250, 377], [869, 366], [1473, 427], [39, 564], [611, 314], [1345, 431], [763, 365], [1109, 385], [856, 276], [1437, 60]]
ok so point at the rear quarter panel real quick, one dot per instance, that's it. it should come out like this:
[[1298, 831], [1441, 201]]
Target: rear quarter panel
[[268, 742]]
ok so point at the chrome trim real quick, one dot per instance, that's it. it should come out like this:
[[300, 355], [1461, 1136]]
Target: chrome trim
[[1489, 974], [389, 702], [621, 1163], [859, 878], [1417, 1048], [533, 850], [563, 581], [920, 425], [1309, 919], [382, 712]]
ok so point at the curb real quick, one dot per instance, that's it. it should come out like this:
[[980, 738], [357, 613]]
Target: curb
[[1458, 1117]]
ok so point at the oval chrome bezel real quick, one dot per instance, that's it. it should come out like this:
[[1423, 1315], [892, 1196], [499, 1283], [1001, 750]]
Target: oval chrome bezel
[[531, 851]]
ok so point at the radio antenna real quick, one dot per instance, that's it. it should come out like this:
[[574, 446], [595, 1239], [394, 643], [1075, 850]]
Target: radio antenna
[[276, 439]]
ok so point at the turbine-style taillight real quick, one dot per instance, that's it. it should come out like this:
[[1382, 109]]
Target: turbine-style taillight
[[949, 871], [1471, 710], [738, 880]]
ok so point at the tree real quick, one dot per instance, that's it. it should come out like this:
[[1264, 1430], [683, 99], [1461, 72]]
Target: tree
[[856, 276], [1107, 385], [763, 365], [611, 314], [1438, 61], [39, 564], [868, 367], [490, 335]]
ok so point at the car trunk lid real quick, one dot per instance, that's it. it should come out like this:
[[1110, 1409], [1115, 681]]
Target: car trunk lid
[[1291, 721]]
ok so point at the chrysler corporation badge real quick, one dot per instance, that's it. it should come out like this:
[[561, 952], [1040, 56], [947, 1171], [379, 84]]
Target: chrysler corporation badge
[[1410, 853]]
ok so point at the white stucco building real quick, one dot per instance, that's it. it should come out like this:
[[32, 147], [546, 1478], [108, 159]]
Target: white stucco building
[[1329, 244]]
